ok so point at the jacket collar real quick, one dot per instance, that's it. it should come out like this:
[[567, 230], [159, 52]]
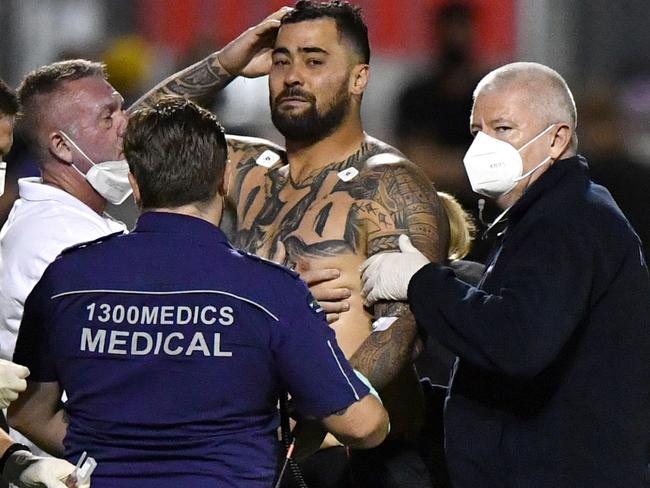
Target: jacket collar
[[188, 226], [548, 180]]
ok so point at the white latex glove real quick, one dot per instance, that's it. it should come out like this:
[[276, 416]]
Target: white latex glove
[[25, 470], [386, 276], [12, 381]]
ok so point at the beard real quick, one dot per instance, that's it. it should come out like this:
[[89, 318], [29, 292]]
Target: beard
[[310, 125]]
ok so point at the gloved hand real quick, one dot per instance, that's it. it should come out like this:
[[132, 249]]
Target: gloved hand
[[386, 276], [12, 381], [25, 470]]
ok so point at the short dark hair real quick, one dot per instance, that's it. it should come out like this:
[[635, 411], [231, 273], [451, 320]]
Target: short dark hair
[[349, 21], [8, 100], [45, 81], [177, 152]]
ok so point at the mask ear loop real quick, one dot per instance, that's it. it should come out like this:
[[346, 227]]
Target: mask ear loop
[[530, 172], [74, 144], [535, 138]]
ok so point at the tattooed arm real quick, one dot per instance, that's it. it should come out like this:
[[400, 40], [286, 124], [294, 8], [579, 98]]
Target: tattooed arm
[[392, 197], [384, 354], [405, 202], [248, 55], [199, 83]]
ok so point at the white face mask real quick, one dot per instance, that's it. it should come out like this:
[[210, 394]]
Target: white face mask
[[3, 172], [494, 167], [109, 178]]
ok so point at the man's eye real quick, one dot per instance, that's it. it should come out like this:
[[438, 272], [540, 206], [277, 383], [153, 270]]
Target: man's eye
[[502, 128], [280, 62], [314, 62]]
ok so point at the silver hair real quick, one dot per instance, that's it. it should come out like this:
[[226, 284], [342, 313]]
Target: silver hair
[[549, 93]]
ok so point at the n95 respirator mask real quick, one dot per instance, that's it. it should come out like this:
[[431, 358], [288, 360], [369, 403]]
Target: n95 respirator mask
[[109, 178], [494, 167]]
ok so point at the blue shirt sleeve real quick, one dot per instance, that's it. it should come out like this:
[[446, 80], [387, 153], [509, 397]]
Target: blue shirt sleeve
[[33, 348], [311, 364], [519, 328]]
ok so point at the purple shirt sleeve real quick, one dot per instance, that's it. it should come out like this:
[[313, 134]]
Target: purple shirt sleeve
[[33, 345], [311, 364]]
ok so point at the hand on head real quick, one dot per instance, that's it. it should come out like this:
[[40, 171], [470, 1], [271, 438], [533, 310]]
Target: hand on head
[[249, 54]]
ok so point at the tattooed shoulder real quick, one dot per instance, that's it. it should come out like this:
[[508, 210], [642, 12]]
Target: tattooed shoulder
[[396, 185], [243, 148]]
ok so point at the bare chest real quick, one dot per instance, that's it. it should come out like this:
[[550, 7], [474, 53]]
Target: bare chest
[[316, 219]]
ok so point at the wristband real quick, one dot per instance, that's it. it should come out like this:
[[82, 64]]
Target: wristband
[[10, 450], [366, 382]]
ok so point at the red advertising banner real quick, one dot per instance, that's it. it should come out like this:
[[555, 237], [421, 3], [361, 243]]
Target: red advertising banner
[[400, 28]]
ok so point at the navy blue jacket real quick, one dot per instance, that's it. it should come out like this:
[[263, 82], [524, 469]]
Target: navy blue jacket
[[552, 384], [172, 347]]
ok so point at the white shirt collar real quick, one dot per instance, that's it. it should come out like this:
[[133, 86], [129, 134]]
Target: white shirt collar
[[33, 189]]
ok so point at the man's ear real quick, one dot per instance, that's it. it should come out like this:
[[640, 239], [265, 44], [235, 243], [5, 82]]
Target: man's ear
[[60, 147], [136, 190], [561, 142], [359, 79]]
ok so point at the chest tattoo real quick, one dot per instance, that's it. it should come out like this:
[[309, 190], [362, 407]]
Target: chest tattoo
[[317, 218]]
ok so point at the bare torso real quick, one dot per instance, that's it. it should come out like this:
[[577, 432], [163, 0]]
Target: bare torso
[[336, 218]]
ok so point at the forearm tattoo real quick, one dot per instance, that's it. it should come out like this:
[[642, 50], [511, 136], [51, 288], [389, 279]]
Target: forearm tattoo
[[199, 83], [390, 309], [384, 354]]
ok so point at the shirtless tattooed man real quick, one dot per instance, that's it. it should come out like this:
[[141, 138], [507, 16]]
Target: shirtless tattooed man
[[331, 198]]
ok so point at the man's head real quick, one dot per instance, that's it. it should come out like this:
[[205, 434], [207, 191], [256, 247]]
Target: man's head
[[518, 102], [74, 97], [8, 111], [177, 155], [320, 69]]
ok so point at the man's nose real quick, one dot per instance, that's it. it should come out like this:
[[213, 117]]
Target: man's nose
[[294, 76]]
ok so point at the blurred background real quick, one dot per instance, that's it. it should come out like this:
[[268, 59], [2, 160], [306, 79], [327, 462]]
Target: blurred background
[[427, 56]]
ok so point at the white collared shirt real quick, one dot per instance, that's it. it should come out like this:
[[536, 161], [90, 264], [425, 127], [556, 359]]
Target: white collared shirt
[[43, 221]]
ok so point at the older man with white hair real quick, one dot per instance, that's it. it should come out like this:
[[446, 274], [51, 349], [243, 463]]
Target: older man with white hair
[[552, 383]]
